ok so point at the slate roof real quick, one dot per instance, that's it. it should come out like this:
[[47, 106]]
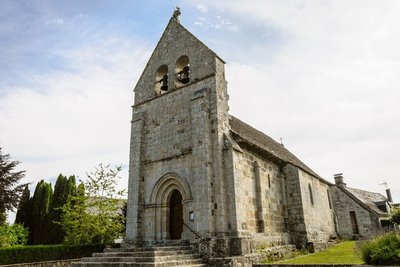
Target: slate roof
[[269, 145], [264, 142], [369, 198]]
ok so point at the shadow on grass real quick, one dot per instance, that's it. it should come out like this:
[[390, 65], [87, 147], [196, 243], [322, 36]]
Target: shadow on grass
[[342, 253]]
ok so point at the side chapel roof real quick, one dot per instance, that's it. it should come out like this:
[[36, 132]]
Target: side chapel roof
[[267, 144], [262, 141], [370, 199]]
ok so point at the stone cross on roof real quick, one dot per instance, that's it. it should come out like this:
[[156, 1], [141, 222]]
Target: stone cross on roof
[[177, 13]]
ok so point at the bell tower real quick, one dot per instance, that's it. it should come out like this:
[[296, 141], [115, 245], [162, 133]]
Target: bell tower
[[179, 120]]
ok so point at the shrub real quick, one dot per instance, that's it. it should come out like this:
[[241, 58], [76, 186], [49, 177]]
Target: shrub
[[11, 235], [24, 254], [382, 250], [395, 215], [93, 215]]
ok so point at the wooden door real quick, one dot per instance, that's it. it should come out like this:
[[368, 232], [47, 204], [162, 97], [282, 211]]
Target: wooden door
[[175, 215]]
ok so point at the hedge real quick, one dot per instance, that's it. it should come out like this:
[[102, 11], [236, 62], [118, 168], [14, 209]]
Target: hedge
[[382, 250], [25, 254]]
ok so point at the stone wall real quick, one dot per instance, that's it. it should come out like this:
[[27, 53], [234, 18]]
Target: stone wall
[[240, 197], [179, 134], [272, 253], [58, 263], [367, 223], [176, 139], [294, 193], [318, 211], [269, 228], [310, 211], [315, 265], [175, 42]]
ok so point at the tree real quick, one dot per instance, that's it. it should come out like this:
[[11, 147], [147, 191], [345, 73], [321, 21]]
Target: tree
[[23, 211], [11, 235], [63, 188], [71, 185], [41, 203], [10, 191], [395, 215], [93, 214]]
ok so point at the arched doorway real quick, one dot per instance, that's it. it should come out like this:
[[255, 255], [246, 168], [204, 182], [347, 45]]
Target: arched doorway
[[169, 190], [175, 215]]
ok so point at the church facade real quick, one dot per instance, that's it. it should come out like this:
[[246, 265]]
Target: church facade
[[196, 171]]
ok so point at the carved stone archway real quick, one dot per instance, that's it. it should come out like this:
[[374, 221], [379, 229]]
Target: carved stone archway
[[160, 200]]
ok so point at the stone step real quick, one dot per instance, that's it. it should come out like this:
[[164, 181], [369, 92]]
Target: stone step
[[155, 256], [141, 259], [137, 249], [190, 262], [143, 253]]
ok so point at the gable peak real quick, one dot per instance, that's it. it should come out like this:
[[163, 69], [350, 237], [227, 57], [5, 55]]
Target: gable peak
[[176, 14]]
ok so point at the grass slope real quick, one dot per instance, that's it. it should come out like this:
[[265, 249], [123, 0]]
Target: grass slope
[[342, 253]]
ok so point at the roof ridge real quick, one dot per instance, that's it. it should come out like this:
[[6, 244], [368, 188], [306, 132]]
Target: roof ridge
[[360, 201], [289, 157]]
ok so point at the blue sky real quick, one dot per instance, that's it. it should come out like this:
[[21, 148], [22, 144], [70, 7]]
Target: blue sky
[[323, 75]]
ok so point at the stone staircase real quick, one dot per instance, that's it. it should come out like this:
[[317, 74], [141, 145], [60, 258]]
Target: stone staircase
[[160, 256]]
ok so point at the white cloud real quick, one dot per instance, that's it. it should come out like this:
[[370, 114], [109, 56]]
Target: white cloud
[[55, 21], [217, 23], [70, 121], [330, 90], [202, 8]]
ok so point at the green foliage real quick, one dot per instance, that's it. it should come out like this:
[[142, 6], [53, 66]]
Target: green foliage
[[11, 235], [62, 189], [93, 214], [41, 203], [10, 192], [3, 217], [26, 254], [42, 213], [23, 212], [395, 215], [382, 250]]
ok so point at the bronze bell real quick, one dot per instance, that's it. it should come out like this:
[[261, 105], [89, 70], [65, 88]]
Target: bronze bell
[[184, 77], [164, 81]]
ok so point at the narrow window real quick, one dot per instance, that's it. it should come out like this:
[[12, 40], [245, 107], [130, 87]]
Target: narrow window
[[311, 194], [269, 181], [329, 198], [182, 71], [161, 83], [353, 220]]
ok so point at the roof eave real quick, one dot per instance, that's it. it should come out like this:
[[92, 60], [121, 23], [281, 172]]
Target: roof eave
[[243, 139]]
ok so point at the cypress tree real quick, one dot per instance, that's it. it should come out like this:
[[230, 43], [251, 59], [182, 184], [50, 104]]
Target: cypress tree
[[44, 237], [29, 220], [71, 185], [41, 203], [23, 208], [63, 188], [60, 196], [36, 204]]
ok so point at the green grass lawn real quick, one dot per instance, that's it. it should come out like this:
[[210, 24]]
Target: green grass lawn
[[342, 253]]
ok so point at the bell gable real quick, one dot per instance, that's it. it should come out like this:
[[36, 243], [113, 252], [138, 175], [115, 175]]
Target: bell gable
[[179, 59]]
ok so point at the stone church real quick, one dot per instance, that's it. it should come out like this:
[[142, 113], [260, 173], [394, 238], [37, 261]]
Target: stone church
[[197, 171], [202, 177]]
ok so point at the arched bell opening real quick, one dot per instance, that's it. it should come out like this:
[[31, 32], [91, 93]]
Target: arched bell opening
[[175, 215], [161, 83], [182, 71]]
